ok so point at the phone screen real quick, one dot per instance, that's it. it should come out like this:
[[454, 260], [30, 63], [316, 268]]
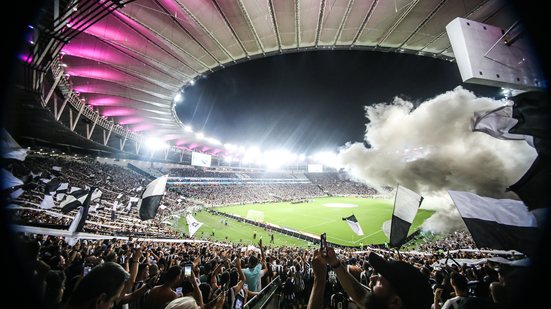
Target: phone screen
[[323, 243], [187, 270], [86, 270], [238, 301], [179, 290]]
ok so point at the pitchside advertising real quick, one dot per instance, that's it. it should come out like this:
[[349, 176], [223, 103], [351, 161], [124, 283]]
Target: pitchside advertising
[[200, 159]]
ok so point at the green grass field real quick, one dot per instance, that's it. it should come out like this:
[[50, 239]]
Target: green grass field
[[311, 218]]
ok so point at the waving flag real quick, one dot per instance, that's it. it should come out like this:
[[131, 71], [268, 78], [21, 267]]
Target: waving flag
[[9, 148], [497, 223], [151, 198], [61, 191], [73, 200], [49, 191], [10, 185], [498, 122], [77, 198], [192, 224], [533, 186], [354, 225], [406, 204], [80, 218], [529, 118]]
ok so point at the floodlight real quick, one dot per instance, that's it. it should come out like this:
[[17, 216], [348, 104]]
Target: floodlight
[[178, 98], [213, 141], [154, 143]]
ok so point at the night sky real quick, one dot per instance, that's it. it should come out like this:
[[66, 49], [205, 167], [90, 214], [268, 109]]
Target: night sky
[[311, 101]]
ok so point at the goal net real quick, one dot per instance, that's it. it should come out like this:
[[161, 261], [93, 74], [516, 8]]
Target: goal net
[[255, 215]]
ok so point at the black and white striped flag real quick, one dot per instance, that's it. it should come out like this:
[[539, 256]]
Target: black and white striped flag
[[497, 223], [49, 191], [73, 200], [151, 198], [76, 198], [82, 214], [80, 218], [406, 204]]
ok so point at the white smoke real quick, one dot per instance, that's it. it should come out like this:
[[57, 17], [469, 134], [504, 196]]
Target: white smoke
[[431, 149]]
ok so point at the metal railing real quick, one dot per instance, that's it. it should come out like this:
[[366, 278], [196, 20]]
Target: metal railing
[[265, 296]]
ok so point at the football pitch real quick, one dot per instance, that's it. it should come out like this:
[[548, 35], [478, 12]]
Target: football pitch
[[320, 215]]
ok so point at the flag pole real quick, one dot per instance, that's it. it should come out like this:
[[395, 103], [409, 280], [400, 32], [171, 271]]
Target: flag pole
[[448, 257]]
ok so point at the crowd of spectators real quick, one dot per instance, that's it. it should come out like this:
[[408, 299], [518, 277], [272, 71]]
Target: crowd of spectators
[[339, 183], [150, 274], [217, 195], [222, 274]]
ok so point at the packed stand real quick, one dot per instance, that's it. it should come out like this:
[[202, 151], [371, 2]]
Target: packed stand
[[337, 183]]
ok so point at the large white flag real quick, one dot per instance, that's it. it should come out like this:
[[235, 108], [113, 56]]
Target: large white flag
[[192, 224], [498, 122]]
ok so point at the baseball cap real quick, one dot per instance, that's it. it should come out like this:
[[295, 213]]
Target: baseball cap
[[409, 283]]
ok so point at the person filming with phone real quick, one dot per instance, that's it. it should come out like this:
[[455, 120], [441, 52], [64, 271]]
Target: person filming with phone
[[398, 285], [162, 294]]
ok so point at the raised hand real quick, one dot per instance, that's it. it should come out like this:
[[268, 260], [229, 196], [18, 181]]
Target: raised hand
[[330, 258]]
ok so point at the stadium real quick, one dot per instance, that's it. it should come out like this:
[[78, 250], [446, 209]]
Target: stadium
[[122, 187]]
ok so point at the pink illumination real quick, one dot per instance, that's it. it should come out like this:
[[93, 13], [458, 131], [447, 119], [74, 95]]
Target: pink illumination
[[130, 120], [141, 127], [84, 46], [26, 58], [95, 73], [89, 47], [128, 33], [215, 151], [192, 146], [108, 29], [126, 36], [180, 142], [110, 112], [91, 69], [104, 101], [169, 137], [83, 89], [151, 44], [205, 148]]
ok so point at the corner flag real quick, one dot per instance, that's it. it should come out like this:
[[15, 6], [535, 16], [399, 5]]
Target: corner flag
[[354, 225]]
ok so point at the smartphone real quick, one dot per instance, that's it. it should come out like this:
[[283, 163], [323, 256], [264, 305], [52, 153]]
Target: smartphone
[[238, 302], [323, 243], [179, 290], [187, 270], [86, 270]]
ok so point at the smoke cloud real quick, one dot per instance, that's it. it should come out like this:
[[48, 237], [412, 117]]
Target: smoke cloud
[[431, 149]]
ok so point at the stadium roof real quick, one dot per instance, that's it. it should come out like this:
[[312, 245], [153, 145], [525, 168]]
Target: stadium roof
[[132, 63]]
